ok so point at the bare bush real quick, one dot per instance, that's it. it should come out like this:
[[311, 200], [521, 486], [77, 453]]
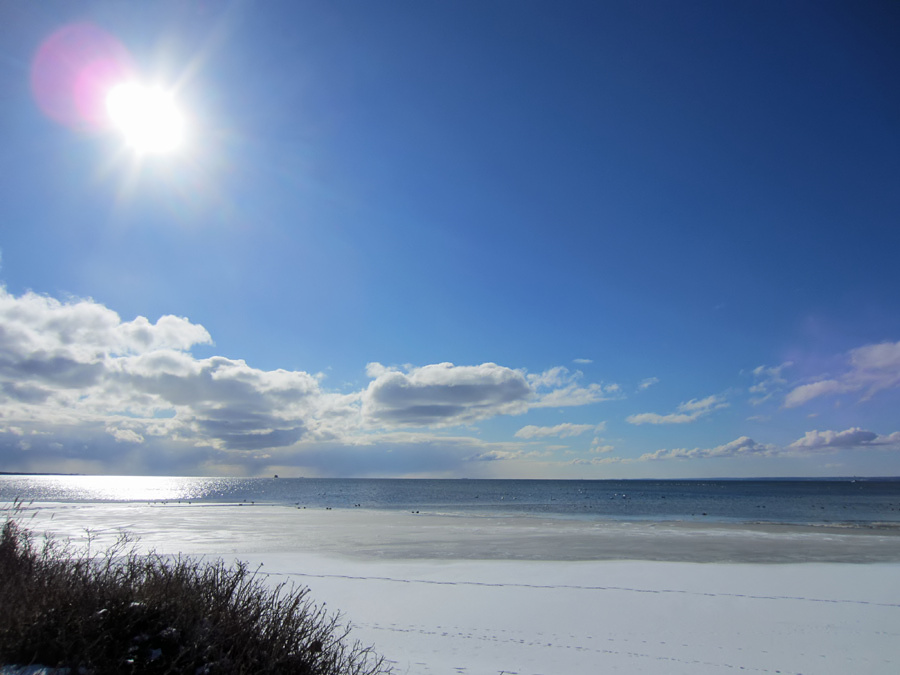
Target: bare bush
[[122, 612]]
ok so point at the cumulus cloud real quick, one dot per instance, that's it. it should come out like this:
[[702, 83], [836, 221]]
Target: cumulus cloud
[[76, 370], [686, 412], [83, 331], [565, 430], [443, 394], [869, 369], [223, 401], [740, 447], [849, 438], [647, 383], [83, 390], [124, 435]]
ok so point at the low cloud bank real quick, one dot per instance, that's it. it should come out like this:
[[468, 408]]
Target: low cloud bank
[[812, 442], [83, 390], [740, 447], [850, 438]]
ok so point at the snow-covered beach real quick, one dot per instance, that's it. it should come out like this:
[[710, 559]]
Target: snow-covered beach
[[479, 595]]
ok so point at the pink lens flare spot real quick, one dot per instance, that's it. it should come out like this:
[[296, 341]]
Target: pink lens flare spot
[[74, 70]]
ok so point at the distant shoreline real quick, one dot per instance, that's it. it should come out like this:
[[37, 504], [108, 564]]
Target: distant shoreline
[[748, 479]]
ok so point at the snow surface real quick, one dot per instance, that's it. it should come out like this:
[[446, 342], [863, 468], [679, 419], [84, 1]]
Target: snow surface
[[475, 596]]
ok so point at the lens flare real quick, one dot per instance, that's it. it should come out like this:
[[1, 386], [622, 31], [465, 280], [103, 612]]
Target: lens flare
[[74, 70], [146, 116]]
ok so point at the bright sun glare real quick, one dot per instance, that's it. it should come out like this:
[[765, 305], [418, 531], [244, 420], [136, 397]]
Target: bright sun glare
[[147, 117]]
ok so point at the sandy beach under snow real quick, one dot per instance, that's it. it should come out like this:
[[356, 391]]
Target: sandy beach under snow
[[439, 594]]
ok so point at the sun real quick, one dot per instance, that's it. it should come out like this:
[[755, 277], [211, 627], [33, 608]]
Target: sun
[[147, 117]]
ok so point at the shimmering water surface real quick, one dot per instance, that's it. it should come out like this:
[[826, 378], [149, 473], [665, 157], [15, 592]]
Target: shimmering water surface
[[853, 503]]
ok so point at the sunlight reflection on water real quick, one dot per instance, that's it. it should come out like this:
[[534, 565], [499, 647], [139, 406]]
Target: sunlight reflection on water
[[868, 503], [108, 488]]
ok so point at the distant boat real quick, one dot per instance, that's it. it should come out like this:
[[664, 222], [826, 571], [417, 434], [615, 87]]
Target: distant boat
[[276, 475]]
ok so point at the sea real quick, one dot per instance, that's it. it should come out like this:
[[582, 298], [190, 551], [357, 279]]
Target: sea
[[863, 503]]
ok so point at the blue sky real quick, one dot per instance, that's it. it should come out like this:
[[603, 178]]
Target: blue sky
[[483, 239]]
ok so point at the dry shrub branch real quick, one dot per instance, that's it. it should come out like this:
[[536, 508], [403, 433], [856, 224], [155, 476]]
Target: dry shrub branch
[[119, 612]]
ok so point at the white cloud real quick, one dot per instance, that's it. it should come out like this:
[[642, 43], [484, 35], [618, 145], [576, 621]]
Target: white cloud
[[82, 390], [766, 381], [84, 331], [597, 461], [877, 365], [444, 395], [565, 430], [869, 369], [598, 447], [740, 447], [849, 438], [812, 441], [565, 390], [553, 377], [582, 361], [806, 392], [124, 435], [703, 405], [76, 367], [76, 381], [656, 418], [647, 383], [687, 412], [375, 369]]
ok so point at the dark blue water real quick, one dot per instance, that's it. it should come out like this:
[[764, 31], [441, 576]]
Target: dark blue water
[[854, 503]]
